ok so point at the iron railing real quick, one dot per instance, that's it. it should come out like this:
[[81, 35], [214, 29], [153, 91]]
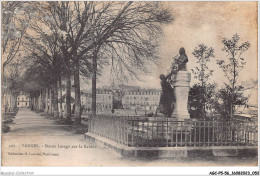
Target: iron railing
[[139, 132]]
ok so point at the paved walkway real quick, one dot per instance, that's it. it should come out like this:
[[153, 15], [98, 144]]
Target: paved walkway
[[31, 128], [30, 123], [54, 146]]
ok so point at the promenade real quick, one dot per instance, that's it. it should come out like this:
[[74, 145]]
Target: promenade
[[37, 141]]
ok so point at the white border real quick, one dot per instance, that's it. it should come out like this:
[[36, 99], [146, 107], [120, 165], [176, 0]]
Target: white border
[[129, 170]]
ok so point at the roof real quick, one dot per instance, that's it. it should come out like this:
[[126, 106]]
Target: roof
[[144, 91]]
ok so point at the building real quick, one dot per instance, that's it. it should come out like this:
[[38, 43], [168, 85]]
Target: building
[[104, 100], [86, 102], [141, 99], [23, 101], [250, 110]]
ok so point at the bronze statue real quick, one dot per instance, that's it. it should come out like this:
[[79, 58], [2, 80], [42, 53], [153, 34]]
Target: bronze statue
[[167, 99], [182, 60], [179, 64]]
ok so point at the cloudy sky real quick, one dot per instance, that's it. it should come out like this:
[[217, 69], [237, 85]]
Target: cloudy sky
[[207, 23]]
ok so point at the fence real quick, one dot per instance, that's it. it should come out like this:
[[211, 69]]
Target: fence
[[139, 132]]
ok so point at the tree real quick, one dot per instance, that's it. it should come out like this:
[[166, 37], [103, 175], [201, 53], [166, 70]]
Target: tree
[[202, 99], [14, 80], [203, 55], [129, 39], [231, 67], [203, 91], [14, 24], [34, 81], [93, 28], [44, 50], [84, 34], [226, 99]]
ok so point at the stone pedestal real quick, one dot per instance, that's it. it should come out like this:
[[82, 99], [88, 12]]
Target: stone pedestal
[[181, 85]]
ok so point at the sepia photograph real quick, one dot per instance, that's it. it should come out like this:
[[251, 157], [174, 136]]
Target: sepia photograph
[[130, 83]]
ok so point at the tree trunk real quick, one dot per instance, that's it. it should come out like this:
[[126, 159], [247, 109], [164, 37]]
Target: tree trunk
[[94, 85], [15, 101], [31, 102], [55, 101], [68, 92], [42, 101], [39, 102], [11, 104], [46, 100], [60, 86], [51, 100], [77, 93], [36, 102]]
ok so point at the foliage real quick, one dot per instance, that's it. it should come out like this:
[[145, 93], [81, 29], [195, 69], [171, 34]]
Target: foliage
[[203, 55], [14, 78], [226, 98], [35, 79], [82, 37], [201, 94], [235, 63], [201, 101], [231, 68], [16, 16], [117, 104]]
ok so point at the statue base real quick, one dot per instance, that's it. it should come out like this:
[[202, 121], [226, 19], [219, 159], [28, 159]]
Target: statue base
[[181, 116], [181, 84]]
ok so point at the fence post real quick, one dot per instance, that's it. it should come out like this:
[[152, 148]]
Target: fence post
[[132, 134], [167, 134]]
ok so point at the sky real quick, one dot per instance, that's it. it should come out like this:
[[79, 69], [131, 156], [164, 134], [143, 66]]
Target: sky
[[207, 23]]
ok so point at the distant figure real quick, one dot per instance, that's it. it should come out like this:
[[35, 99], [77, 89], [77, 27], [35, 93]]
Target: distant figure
[[167, 97]]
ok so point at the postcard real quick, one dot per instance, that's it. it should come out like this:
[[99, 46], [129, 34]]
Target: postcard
[[130, 83]]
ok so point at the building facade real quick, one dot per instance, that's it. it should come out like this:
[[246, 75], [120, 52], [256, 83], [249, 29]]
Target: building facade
[[141, 99], [104, 101], [23, 101], [86, 102]]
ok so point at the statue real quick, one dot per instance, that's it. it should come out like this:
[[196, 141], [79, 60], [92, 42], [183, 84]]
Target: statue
[[181, 84], [167, 97], [179, 64], [167, 100]]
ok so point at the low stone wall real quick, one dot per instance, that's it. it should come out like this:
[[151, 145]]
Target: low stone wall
[[174, 152]]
